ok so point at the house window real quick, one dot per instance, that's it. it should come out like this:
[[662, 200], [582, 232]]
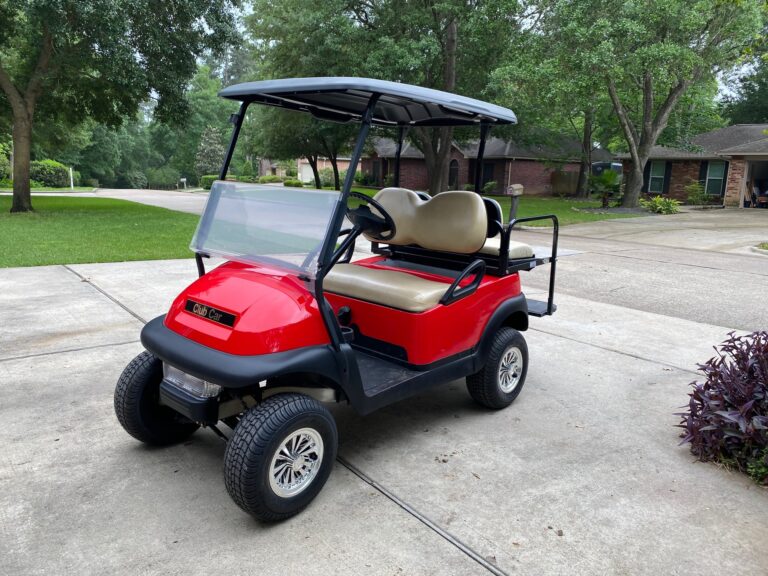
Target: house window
[[715, 176], [656, 180]]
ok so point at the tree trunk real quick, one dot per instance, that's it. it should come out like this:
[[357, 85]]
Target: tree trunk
[[335, 166], [22, 141], [585, 168], [313, 164], [435, 144], [634, 184]]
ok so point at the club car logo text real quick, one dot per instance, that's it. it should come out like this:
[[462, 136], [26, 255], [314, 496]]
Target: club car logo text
[[210, 313]]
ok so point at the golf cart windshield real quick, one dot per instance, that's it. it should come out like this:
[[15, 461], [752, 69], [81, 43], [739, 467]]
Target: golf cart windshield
[[263, 224]]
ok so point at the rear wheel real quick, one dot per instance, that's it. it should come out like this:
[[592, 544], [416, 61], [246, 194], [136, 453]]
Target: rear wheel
[[280, 456], [138, 408], [500, 381]]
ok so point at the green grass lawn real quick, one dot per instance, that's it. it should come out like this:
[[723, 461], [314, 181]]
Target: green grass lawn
[[76, 230]]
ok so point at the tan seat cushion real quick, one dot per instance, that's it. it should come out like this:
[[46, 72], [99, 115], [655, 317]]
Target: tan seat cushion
[[453, 221], [516, 249], [388, 287]]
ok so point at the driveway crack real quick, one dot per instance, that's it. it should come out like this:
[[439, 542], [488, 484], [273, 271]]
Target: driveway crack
[[105, 293]]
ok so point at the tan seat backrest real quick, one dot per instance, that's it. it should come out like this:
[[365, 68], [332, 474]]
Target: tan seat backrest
[[450, 222]]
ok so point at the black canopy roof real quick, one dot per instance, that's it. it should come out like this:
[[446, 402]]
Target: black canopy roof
[[345, 99]]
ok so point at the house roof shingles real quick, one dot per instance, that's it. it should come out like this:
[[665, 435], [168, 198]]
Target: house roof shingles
[[737, 140]]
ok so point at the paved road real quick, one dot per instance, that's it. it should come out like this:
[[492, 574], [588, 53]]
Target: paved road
[[727, 289]]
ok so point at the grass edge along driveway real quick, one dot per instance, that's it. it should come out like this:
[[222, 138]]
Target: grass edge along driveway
[[65, 230]]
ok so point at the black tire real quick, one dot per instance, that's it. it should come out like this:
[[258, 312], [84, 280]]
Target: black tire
[[258, 438], [485, 386], [138, 409]]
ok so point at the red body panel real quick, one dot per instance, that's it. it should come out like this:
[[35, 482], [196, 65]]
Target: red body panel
[[276, 312], [437, 333], [273, 308]]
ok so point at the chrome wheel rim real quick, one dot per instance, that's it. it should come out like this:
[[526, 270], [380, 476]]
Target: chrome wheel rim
[[510, 369], [296, 463]]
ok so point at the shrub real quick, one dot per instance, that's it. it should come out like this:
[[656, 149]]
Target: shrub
[[326, 177], [50, 173], [6, 183], [364, 179], [5, 166], [132, 179], [164, 177], [727, 417], [245, 170], [207, 180], [489, 187], [293, 183], [605, 185], [660, 205], [92, 182], [269, 178], [695, 193]]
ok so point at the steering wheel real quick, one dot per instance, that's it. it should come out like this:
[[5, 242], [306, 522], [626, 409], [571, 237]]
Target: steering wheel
[[380, 227]]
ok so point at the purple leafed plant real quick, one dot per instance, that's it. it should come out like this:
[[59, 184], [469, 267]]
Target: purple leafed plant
[[727, 416]]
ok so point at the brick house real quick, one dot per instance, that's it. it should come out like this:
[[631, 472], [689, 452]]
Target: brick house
[[537, 168], [731, 163]]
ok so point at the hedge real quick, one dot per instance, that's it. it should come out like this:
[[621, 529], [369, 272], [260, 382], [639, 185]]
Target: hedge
[[293, 183], [207, 180], [50, 173]]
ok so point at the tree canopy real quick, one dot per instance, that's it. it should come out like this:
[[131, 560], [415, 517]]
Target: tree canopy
[[100, 60]]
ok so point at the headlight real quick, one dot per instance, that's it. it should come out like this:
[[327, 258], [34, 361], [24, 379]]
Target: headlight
[[187, 382]]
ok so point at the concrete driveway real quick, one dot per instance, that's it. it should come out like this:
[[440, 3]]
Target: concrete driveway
[[722, 230], [581, 475]]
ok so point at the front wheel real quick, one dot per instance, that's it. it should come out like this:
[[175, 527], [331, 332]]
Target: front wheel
[[138, 408], [280, 456], [500, 381]]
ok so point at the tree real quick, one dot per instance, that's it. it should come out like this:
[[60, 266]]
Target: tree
[[298, 39], [283, 135], [210, 152], [649, 54], [750, 103], [536, 82], [100, 61], [450, 45]]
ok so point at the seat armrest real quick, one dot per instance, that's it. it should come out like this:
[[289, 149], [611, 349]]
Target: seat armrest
[[456, 292]]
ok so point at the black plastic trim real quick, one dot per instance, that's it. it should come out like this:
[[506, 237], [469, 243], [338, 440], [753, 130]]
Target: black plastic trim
[[456, 292], [232, 370], [198, 409]]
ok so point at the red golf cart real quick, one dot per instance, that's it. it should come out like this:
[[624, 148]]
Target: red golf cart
[[290, 321]]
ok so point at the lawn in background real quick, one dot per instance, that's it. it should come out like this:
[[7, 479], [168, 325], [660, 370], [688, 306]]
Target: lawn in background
[[66, 230]]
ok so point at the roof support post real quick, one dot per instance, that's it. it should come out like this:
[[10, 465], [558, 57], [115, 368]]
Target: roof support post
[[484, 129], [324, 263], [237, 120], [401, 132]]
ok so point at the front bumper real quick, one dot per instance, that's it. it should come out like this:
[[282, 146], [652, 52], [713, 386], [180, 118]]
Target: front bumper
[[232, 370]]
